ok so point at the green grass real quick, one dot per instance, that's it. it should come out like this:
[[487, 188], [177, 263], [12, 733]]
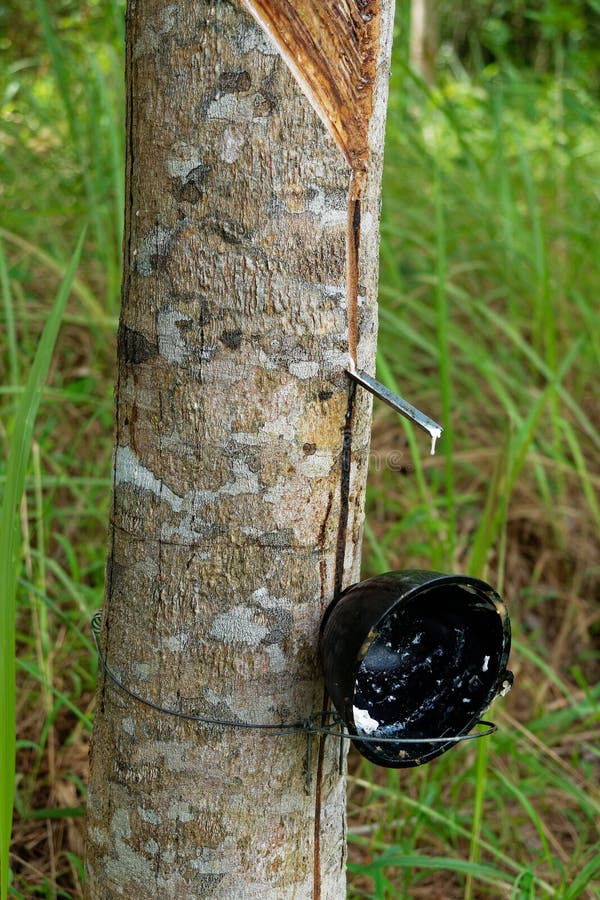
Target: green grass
[[488, 321], [488, 286], [20, 437]]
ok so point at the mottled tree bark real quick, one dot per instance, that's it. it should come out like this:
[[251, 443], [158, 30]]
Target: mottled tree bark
[[231, 523]]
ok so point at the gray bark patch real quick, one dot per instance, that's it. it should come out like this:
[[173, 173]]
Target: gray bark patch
[[155, 248]]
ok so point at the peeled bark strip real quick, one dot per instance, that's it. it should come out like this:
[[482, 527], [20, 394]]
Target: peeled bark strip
[[231, 405], [332, 49]]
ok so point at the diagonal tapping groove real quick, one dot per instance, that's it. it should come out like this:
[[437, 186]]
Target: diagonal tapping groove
[[330, 46]]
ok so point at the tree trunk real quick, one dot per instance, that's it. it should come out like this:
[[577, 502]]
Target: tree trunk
[[250, 274], [424, 37]]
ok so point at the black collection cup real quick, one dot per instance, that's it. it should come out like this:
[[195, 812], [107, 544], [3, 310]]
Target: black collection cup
[[414, 655]]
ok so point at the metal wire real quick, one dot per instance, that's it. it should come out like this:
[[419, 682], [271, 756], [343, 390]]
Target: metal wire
[[308, 726], [283, 727]]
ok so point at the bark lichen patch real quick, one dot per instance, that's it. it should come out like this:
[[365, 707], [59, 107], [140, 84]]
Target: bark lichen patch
[[186, 166], [328, 209], [367, 223], [177, 643], [193, 184], [181, 811], [191, 530], [337, 360], [264, 598], [333, 291], [152, 254], [332, 218], [143, 671], [230, 231], [186, 161], [304, 369], [129, 470], [250, 37], [281, 626], [174, 754], [149, 815], [317, 465], [171, 344], [283, 538], [249, 439], [234, 139], [277, 658], [322, 196], [244, 481], [263, 106], [153, 35], [128, 725], [97, 835], [124, 862], [188, 192], [207, 882], [130, 870], [238, 626], [232, 339], [232, 108], [280, 427]]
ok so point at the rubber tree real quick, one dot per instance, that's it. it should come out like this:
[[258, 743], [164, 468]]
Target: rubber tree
[[254, 155]]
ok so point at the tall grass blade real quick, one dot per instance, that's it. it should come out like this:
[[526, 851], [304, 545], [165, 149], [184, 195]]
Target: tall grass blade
[[443, 338], [376, 548], [583, 879], [11, 337], [475, 842], [92, 308], [533, 816], [60, 69], [387, 377], [396, 858], [583, 472], [529, 353], [442, 820], [72, 103], [20, 447]]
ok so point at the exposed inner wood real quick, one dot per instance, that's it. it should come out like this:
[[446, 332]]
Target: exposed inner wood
[[331, 47]]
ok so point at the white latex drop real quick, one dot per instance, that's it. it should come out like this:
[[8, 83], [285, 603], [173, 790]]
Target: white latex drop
[[363, 720], [435, 433]]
